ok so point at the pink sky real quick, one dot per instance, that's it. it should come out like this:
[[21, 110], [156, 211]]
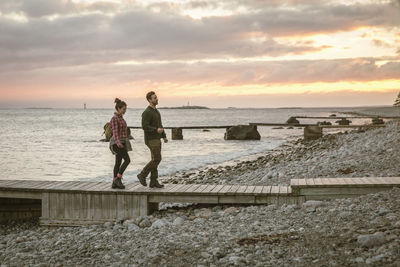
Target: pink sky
[[243, 53]]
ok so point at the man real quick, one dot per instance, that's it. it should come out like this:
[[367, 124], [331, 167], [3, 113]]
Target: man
[[153, 132]]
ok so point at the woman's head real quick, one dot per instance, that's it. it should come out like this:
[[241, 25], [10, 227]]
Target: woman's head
[[120, 106]]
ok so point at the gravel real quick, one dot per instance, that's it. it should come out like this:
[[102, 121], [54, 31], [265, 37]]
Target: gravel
[[344, 232]]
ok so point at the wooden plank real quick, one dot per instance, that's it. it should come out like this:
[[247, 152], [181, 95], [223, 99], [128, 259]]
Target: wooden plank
[[241, 189], [283, 189], [341, 191], [177, 189], [333, 181], [132, 187], [192, 188], [236, 199], [233, 189], [208, 189], [375, 181], [208, 199], [75, 205], [143, 205], [217, 189], [359, 181], [317, 182], [60, 213], [21, 184], [83, 211], [6, 183], [200, 188], [120, 206], [294, 182], [68, 206], [97, 206], [20, 194], [302, 183], [250, 189], [45, 205], [39, 185], [340, 181], [258, 189], [393, 180], [274, 190], [310, 182], [289, 191], [266, 189], [225, 189], [182, 189]]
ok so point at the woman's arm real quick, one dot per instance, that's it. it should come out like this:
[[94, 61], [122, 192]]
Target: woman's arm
[[114, 127]]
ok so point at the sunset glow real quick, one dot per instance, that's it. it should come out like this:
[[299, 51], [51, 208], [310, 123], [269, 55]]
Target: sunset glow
[[63, 53]]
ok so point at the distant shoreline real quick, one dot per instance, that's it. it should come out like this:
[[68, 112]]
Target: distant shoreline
[[185, 107]]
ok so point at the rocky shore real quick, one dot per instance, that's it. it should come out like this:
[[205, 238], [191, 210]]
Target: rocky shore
[[345, 232]]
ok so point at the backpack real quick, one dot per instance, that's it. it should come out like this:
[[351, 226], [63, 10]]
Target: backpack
[[108, 131]]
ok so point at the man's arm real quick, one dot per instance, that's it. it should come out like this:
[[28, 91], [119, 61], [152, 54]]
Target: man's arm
[[146, 117], [163, 135]]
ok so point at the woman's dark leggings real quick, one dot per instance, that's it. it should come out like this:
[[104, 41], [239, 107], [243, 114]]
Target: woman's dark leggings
[[121, 154]]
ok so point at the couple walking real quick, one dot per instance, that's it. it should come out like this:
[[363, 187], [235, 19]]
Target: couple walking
[[120, 145]]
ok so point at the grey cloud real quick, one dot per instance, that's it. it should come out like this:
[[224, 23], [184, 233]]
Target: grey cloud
[[227, 74]]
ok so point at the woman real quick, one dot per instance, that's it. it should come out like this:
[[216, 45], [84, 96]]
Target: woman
[[119, 143]]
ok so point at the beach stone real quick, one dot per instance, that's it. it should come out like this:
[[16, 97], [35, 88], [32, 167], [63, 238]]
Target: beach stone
[[159, 223], [242, 132], [204, 213], [145, 223], [231, 210], [373, 240], [375, 259], [178, 221], [314, 204], [133, 227]]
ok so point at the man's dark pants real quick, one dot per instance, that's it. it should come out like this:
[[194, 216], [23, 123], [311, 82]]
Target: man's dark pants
[[155, 148]]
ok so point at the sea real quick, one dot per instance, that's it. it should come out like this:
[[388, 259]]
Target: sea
[[64, 144]]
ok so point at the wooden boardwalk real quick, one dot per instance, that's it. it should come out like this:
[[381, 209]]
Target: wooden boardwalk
[[79, 203]]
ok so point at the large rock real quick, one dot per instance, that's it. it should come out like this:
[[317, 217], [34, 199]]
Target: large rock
[[373, 240], [343, 121], [292, 120], [242, 132]]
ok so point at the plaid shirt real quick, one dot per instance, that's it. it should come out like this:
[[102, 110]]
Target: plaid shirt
[[119, 128]]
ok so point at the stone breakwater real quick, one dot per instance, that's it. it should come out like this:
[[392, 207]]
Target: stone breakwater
[[345, 232]]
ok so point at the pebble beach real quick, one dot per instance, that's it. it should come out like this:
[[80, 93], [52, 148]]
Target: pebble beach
[[344, 232]]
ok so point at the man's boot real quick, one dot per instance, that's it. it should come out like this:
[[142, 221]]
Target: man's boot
[[154, 183], [142, 179]]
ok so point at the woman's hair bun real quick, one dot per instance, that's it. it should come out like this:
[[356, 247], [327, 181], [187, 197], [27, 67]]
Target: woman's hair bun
[[117, 100]]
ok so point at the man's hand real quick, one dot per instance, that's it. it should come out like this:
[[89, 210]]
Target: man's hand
[[120, 145], [160, 130], [165, 140]]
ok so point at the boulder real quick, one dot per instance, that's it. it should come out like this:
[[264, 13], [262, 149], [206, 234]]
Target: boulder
[[377, 121], [292, 120], [324, 123], [343, 121], [373, 240], [242, 132]]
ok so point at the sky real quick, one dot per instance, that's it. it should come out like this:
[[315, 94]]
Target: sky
[[241, 53]]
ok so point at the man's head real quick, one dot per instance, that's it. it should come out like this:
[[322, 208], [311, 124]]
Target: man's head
[[152, 98]]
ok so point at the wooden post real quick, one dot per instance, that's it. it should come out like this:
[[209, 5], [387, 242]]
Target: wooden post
[[312, 132], [176, 134]]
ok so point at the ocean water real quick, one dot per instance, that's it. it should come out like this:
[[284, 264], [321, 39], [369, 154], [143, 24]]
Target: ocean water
[[63, 144]]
